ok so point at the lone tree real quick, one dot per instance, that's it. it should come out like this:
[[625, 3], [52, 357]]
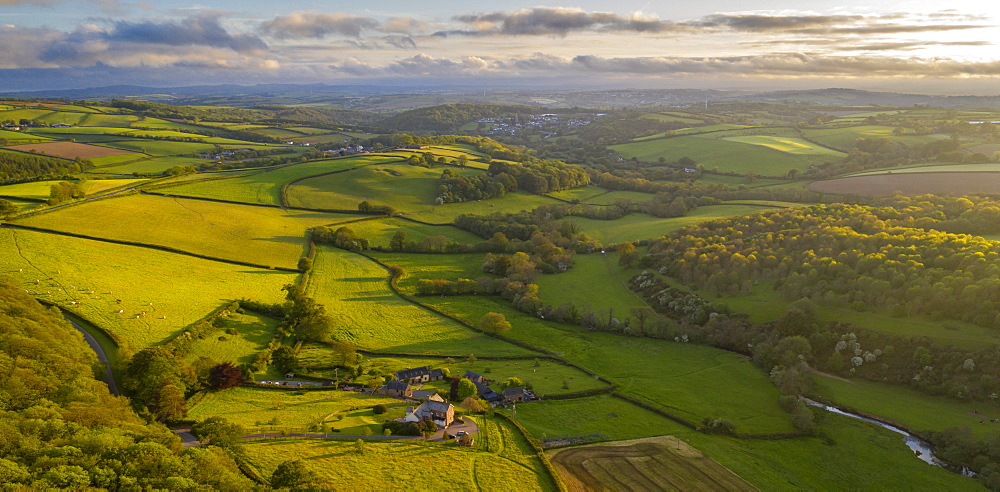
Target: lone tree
[[225, 376], [293, 474], [494, 323], [465, 389]]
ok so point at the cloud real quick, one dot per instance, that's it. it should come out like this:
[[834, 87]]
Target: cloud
[[765, 23], [22, 47], [193, 31], [556, 21], [403, 25], [307, 24]]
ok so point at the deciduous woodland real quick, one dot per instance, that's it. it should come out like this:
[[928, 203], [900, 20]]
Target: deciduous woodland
[[296, 293]]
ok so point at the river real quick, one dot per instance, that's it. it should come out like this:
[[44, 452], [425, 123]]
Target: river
[[923, 449]]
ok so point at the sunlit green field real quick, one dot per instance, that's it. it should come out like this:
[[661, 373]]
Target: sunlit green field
[[787, 144], [154, 165], [277, 237], [591, 269], [609, 417], [110, 120], [691, 381], [41, 189], [253, 334], [639, 226], [180, 288], [356, 293], [380, 231]]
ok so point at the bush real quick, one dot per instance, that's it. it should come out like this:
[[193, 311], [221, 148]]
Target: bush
[[379, 409]]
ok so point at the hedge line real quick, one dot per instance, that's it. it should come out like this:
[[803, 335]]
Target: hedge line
[[539, 451]]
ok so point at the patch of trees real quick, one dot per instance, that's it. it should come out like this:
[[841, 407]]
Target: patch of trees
[[541, 176], [7, 208], [877, 152], [609, 130], [527, 231], [305, 318], [343, 237], [160, 110], [322, 116], [450, 117], [16, 166], [453, 188], [62, 429], [65, 191], [409, 428]]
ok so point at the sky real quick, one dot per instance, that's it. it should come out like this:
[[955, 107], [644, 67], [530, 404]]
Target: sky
[[905, 45]]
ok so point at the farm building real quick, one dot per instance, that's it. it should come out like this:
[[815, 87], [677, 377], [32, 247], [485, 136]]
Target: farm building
[[419, 375], [475, 377], [514, 394], [439, 412], [398, 389], [486, 393]]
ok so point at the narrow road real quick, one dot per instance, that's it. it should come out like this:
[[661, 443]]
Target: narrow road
[[101, 355]]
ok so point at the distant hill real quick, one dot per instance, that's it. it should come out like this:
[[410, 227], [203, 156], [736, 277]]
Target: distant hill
[[854, 97], [449, 117]]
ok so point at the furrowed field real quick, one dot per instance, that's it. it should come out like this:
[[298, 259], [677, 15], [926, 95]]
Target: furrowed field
[[277, 238], [180, 288], [366, 312]]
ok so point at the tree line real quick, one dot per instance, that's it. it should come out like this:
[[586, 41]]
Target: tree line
[[15, 166]]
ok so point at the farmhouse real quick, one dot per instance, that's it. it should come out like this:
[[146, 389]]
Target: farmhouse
[[439, 412], [419, 375], [398, 389], [514, 394], [486, 393], [475, 377]]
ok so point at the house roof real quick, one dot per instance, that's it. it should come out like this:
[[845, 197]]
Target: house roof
[[518, 391], [473, 376], [412, 373], [396, 386], [436, 373], [433, 406]]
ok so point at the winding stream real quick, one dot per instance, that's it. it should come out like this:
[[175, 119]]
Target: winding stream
[[921, 448]]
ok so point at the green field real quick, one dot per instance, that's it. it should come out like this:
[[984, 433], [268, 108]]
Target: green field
[[254, 332], [787, 145], [939, 168], [612, 418], [110, 120], [692, 381], [711, 151], [277, 238], [265, 409], [366, 312], [266, 187], [180, 288], [570, 286], [639, 226], [18, 138], [381, 230], [418, 266], [162, 147], [410, 464], [913, 409], [147, 165], [41, 189], [763, 304]]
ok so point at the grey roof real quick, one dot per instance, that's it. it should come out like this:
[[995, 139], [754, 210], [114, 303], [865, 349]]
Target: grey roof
[[473, 376], [513, 391], [437, 373], [396, 385], [412, 373], [434, 406]]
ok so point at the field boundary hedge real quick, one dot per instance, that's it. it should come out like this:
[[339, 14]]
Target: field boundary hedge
[[284, 188], [264, 205], [166, 249], [539, 450]]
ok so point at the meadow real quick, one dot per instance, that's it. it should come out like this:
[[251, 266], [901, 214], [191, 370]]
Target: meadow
[[277, 238], [711, 151], [16, 138], [366, 312], [787, 144], [379, 231], [147, 165], [417, 465], [174, 290], [254, 332], [691, 381], [265, 187], [40, 190], [162, 147], [913, 409], [602, 417], [638, 226], [268, 410], [935, 168], [912, 183], [562, 288], [433, 266]]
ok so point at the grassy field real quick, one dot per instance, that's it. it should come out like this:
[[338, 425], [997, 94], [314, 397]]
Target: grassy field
[[660, 463], [254, 333], [788, 145], [366, 312], [936, 168], [711, 151], [639, 226], [110, 120], [155, 165], [763, 304], [162, 147], [16, 138], [266, 187], [591, 269], [265, 409], [418, 266], [277, 237], [181, 289], [861, 456], [691, 381], [40, 189], [913, 409], [381, 230], [604, 417], [419, 466]]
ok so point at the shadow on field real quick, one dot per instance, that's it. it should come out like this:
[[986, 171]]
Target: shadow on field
[[281, 239]]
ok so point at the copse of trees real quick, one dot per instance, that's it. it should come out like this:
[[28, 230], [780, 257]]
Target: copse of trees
[[16, 166]]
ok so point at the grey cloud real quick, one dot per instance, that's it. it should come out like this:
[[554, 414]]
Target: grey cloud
[[401, 42], [197, 31], [555, 21], [763, 23], [403, 25], [316, 25]]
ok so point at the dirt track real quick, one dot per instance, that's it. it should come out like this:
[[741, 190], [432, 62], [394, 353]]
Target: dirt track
[[912, 184]]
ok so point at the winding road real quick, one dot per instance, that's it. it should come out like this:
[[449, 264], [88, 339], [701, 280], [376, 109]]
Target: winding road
[[101, 355]]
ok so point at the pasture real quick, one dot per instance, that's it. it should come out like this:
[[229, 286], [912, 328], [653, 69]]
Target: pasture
[[268, 410], [602, 417], [173, 290], [789, 145], [691, 381], [417, 465], [367, 313], [162, 147], [763, 304], [913, 409], [40, 190], [381, 230], [147, 165], [635, 227], [935, 168], [711, 151], [658, 463], [254, 332], [277, 238], [912, 183], [591, 269], [418, 266], [69, 150], [265, 187], [17, 138]]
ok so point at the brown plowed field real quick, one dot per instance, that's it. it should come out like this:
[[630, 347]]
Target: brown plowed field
[[69, 150], [912, 184], [653, 463]]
